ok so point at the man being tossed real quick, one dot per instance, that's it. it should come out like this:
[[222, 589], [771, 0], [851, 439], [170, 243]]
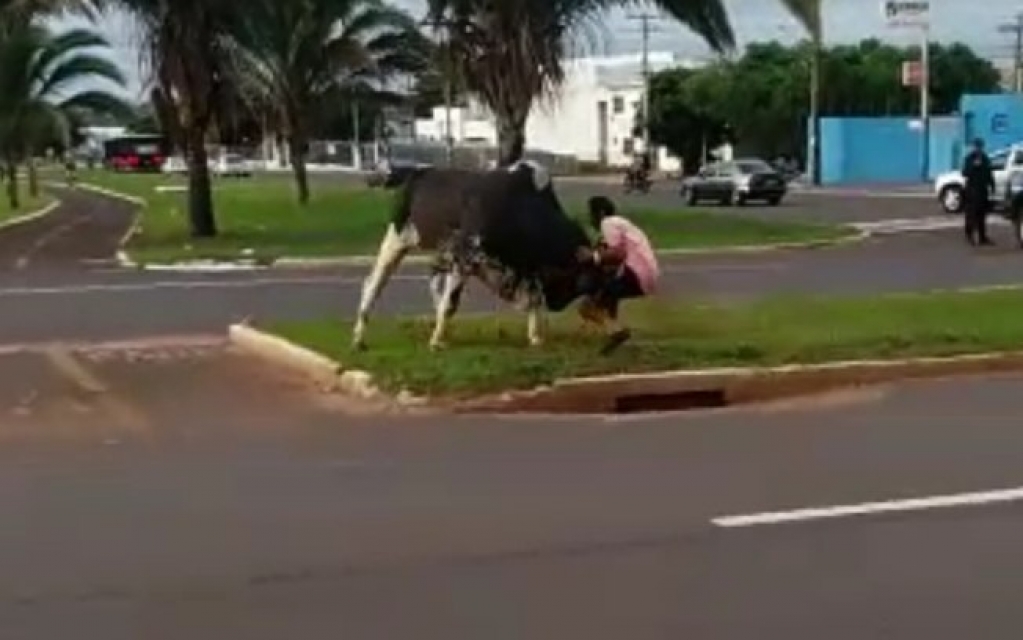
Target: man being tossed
[[631, 268]]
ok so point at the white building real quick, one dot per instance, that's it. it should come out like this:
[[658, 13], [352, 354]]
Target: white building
[[593, 116], [468, 125]]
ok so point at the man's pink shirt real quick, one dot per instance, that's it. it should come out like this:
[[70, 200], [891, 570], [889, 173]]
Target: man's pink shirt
[[620, 233]]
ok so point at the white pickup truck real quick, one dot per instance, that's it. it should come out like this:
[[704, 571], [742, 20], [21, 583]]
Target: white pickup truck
[[949, 186]]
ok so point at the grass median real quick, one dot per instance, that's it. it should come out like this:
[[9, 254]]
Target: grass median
[[488, 353], [260, 218]]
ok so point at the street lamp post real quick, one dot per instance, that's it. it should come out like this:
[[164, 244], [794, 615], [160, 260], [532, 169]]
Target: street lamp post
[[815, 119]]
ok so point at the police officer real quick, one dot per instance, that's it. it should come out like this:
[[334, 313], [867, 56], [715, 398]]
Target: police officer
[[980, 185]]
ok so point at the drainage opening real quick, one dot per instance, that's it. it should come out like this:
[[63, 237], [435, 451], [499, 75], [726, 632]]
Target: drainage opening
[[681, 401]]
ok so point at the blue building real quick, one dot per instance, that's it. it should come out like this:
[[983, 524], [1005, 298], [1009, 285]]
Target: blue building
[[890, 149]]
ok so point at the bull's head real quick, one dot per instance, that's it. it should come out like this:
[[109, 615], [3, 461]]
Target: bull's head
[[538, 174]]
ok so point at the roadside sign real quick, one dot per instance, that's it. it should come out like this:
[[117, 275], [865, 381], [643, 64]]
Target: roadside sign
[[906, 13], [912, 73]]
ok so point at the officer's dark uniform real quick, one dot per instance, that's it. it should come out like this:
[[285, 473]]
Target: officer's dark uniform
[[980, 183]]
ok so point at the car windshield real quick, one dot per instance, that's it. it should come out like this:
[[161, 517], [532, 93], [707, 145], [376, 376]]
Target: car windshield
[[753, 166]]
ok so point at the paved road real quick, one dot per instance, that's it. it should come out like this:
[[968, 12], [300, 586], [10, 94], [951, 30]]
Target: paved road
[[116, 304], [860, 204], [83, 230], [170, 488], [183, 492]]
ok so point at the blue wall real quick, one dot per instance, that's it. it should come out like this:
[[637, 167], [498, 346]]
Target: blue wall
[[998, 119], [862, 150]]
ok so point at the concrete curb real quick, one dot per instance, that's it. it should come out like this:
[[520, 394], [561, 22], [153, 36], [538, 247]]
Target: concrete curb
[[29, 217], [298, 264], [320, 369], [733, 386], [665, 390]]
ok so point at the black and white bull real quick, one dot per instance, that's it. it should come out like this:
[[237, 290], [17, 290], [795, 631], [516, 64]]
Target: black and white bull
[[504, 227]]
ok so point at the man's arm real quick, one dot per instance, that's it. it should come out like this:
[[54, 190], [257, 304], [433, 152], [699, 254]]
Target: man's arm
[[614, 241]]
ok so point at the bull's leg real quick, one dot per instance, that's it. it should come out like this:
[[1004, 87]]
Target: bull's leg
[[393, 248], [534, 318], [534, 324], [454, 282]]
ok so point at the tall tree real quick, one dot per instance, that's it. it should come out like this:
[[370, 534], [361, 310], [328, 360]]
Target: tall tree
[[38, 100], [863, 80], [302, 53], [512, 52], [192, 59]]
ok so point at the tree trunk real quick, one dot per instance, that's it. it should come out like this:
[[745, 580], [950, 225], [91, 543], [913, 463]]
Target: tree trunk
[[511, 140], [297, 148], [200, 197], [12, 185], [33, 178]]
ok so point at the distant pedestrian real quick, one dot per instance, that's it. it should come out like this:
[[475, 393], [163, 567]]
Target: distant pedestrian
[[977, 194]]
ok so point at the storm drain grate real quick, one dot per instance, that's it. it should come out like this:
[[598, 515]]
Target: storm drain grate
[[681, 401]]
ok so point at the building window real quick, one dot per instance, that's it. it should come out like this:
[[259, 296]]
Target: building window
[[619, 104], [628, 146]]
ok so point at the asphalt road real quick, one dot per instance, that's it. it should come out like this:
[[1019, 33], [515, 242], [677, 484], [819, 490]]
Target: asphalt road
[[821, 204], [198, 496], [165, 487], [109, 304]]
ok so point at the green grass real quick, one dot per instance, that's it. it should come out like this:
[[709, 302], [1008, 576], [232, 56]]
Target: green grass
[[489, 353], [260, 218], [28, 206]]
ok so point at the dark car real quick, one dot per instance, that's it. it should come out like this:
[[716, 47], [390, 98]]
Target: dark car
[[736, 182]]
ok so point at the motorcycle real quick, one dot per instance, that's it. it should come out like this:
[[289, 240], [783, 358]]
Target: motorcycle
[[637, 180]]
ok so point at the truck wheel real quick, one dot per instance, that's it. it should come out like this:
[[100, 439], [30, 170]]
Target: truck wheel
[[952, 199]]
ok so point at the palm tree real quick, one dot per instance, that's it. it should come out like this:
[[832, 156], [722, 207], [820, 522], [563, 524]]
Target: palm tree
[[511, 52], [38, 74], [189, 54], [23, 11], [300, 53]]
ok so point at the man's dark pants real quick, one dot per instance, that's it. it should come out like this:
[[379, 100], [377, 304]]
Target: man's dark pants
[[976, 210]]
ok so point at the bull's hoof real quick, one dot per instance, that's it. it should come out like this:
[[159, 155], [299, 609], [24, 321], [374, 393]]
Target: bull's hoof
[[359, 346], [535, 342], [438, 345]]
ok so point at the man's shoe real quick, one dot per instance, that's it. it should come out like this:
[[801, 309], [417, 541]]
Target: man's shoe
[[615, 340]]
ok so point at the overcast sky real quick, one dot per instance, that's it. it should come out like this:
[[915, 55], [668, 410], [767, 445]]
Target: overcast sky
[[844, 20]]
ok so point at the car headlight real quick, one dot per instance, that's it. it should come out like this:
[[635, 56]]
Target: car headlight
[[743, 182]]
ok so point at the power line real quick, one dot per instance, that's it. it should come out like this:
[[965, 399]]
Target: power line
[[1015, 28]]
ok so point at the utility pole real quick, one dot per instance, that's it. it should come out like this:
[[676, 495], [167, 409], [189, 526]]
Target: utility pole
[[447, 65], [645, 20], [925, 100], [1015, 28]]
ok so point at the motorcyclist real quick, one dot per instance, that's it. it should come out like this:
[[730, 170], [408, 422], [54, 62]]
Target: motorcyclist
[[639, 172]]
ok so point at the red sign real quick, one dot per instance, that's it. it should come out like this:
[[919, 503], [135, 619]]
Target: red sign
[[912, 73]]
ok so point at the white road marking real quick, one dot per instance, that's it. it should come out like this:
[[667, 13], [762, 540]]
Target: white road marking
[[136, 344], [869, 508], [148, 286]]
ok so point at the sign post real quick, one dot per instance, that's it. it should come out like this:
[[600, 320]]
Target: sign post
[[916, 14]]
